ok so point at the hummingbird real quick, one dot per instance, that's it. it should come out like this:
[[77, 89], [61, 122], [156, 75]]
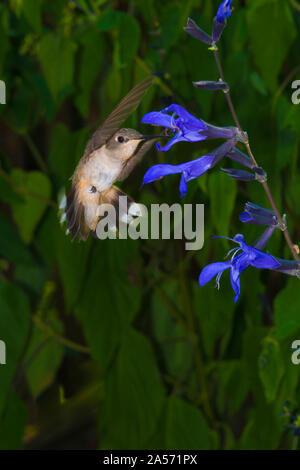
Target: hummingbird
[[110, 156]]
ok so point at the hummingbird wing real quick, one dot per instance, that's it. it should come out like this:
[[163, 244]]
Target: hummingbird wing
[[132, 162], [118, 115]]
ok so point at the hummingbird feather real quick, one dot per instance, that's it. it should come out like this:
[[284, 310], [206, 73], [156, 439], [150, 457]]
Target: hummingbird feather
[[85, 196], [114, 121], [133, 161]]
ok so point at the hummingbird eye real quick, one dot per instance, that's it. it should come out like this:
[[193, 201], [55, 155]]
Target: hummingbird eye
[[121, 139], [93, 189]]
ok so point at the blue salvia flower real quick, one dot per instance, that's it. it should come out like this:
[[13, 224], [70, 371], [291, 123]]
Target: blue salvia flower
[[254, 214], [220, 20], [224, 11], [189, 170], [194, 30], [290, 267], [187, 127], [210, 85], [258, 174], [248, 256]]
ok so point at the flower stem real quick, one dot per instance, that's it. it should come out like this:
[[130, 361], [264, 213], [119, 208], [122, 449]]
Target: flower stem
[[59, 338], [247, 144]]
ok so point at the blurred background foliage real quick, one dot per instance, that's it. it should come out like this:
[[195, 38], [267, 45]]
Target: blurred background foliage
[[112, 344]]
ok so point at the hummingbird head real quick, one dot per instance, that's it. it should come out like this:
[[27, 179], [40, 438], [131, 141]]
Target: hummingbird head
[[125, 142]]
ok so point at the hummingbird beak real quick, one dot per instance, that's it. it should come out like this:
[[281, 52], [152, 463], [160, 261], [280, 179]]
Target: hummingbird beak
[[152, 137]]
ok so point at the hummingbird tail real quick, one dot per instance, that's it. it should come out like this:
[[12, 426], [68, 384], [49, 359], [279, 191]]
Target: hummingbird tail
[[76, 224], [122, 204]]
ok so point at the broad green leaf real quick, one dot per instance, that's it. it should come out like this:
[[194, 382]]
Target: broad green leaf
[[32, 12], [66, 148], [263, 428], [134, 395], [127, 31], [27, 213], [14, 329], [12, 423], [110, 295], [286, 310], [222, 191], [91, 60], [11, 245], [270, 367], [174, 340], [43, 355], [233, 385], [272, 31], [220, 305], [185, 426], [56, 248], [56, 56]]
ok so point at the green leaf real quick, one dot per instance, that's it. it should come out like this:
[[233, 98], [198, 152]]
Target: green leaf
[[43, 356], [110, 297], [91, 60], [133, 395], [66, 148], [272, 31], [32, 12], [222, 190], [221, 306], [233, 386], [12, 423], [270, 367], [56, 56], [258, 84], [28, 212], [174, 340], [14, 329], [185, 427], [11, 245], [286, 310], [127, 31]]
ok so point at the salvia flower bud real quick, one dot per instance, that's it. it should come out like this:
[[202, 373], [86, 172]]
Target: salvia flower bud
[[193, 29], [254, 214], [208, 85]]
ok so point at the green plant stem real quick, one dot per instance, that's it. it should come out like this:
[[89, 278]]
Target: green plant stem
[[250, 153], [60, 339], [35, 152]]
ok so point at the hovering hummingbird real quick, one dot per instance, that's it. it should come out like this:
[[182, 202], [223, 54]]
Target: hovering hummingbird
[[110, 155]]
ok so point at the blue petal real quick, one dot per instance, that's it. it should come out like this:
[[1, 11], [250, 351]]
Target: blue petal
[[224, 11], [245, 217], [211, 270], [183, 186], [158, 118], [158, 171], [197, 167], [262, 240], [263, 260], [186, 118], [235, 282], [177, 138]]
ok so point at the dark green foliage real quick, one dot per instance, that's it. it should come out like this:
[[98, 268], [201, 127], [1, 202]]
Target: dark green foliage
[[112, 344]]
